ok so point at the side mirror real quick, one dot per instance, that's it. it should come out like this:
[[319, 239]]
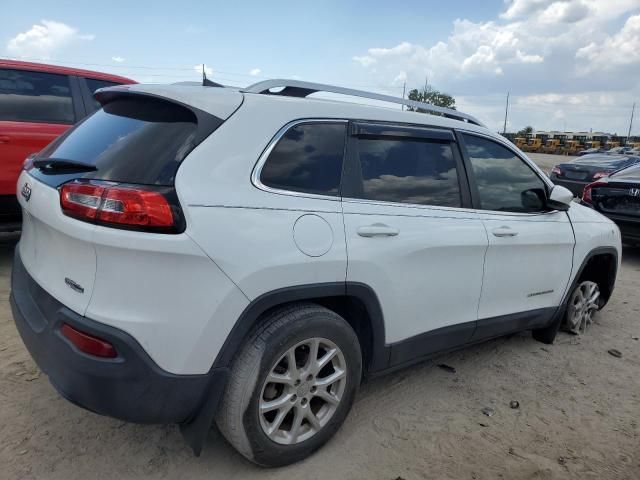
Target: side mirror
[[560, 198]]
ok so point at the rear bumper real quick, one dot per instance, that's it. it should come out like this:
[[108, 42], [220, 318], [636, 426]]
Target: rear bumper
[[130, 387], [576, 187]]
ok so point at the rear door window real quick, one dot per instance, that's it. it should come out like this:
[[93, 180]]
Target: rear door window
[[132, 139], [308, 158], [407, 170], [40, 97]]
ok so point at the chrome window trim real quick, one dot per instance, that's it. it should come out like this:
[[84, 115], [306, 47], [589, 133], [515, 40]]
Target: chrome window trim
[[257, 169]]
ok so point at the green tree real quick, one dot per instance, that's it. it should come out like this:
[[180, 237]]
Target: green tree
[[525, 131], [432, 96]]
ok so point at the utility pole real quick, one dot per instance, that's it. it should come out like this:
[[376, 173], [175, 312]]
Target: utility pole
[[506, 111], [404, 88], [426, 83], [631, 121]]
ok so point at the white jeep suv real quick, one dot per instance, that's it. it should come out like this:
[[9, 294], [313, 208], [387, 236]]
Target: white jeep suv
[[195, 254]]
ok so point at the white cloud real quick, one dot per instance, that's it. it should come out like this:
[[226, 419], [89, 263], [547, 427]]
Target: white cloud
[[552, 55], [207, 70], [520, 8], [44, 39], [621, 49], [365, 60], [400, 78], [566, 12], [473, 49], [255, 72], [117, 59]]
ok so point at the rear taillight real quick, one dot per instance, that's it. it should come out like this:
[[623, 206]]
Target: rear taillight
[[130, 206], [88, 343], [81, 200], [587, 194], [556, 170]]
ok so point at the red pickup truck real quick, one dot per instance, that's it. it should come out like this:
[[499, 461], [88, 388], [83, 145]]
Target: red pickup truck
[[38, 102]]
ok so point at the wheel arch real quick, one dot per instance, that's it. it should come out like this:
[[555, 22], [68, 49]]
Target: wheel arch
[[356, 302], [601, 266]]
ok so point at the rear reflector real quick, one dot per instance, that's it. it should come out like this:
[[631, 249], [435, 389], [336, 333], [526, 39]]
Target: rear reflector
[[128, 206], [88, 343]]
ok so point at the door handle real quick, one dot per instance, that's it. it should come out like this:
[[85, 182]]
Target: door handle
[[504, 232], [4, 139], [378, 230]]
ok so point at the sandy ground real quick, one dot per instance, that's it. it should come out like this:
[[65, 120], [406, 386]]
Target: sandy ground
[[579, 415]]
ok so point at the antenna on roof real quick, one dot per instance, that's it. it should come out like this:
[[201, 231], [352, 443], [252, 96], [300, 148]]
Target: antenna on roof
[[208, 83]]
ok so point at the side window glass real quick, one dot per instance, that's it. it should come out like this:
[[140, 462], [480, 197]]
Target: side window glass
[[408, 171], [35, 97], [505, 182], [308, 158], [95, 84]]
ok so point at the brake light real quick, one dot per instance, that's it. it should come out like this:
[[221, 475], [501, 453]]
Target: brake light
[[135, 207], [556, 170], [81, 200], [117, 205], [598, 175], [88, 343], [586, 193]]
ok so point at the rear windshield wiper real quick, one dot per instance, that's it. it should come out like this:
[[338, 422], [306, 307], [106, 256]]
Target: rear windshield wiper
[[59, 164]]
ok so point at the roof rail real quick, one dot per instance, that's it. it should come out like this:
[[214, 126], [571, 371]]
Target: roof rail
[[297, 88]]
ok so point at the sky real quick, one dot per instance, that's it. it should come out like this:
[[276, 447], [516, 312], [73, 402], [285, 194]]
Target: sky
[[567, 64]]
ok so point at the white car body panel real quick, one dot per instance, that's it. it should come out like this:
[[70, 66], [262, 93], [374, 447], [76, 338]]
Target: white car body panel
[[263, 256], [55, 247], [165, 292], [527, 271], [425, 276], [592, 230]]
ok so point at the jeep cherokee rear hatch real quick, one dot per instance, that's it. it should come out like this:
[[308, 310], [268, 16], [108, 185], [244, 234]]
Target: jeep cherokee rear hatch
[[115, 172]]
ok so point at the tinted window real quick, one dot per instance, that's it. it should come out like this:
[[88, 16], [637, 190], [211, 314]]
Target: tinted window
[[95, 84], [408, 171], [308, 158], [134, 140], [505, 182], [35, 97]]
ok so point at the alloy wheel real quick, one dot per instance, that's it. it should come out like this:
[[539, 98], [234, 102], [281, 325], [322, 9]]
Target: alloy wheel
[[302, 391], [582, 306]]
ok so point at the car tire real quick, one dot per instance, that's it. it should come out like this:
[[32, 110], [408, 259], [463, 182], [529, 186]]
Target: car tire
[[311, 410]]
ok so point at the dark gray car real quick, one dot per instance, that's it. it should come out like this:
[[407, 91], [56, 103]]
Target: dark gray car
[[578, 173]]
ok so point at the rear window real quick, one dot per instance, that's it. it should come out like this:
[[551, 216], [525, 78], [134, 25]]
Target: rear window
[[308, 158], [35, 97], [132, 140]]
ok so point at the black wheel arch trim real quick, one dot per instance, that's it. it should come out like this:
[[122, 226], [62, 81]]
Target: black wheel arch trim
[[250, 317], [593, 253]]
